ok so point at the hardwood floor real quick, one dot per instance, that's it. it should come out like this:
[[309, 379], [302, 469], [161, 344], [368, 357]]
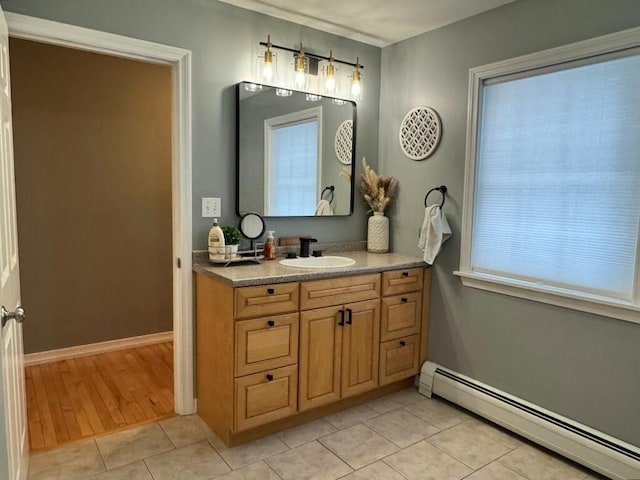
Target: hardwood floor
[[86, 396]]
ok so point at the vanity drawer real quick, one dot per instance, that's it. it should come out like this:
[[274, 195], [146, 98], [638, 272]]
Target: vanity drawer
[[266, 300], [266, 343], [401, 316], [338, 291], [265, 397], [402, 281], [399, 359]]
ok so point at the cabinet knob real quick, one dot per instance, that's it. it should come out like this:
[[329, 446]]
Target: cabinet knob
[[270, 291], [271, 323], [403, 299], [402, 343], [405, 274], [269, 377]]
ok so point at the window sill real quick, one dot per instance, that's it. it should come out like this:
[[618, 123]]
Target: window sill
[[553, 296]]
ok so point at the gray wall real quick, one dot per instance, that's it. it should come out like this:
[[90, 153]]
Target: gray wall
[[579, 365], [224, 40]]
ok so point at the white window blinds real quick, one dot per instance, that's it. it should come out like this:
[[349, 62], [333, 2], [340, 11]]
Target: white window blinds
[[557, 189]]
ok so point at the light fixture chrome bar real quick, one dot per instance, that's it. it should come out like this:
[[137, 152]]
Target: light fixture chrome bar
[[311, 55]]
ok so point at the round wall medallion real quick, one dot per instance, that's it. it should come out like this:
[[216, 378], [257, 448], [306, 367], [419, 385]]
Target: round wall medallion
[[420, 133], [344, 142]]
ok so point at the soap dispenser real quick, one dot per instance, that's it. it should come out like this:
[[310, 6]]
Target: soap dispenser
[[270, 247]]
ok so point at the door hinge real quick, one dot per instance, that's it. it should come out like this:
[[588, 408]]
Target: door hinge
[[179, 263]]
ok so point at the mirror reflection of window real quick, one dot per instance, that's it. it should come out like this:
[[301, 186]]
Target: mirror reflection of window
[[292, 168]]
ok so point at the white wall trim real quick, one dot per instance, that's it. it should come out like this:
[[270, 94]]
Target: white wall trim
[[95, 348], [46, 31]]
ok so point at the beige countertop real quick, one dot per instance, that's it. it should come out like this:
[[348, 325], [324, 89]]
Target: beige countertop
[[270, 271]]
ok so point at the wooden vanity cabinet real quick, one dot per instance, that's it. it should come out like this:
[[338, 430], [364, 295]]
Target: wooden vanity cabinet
[[271, 356]]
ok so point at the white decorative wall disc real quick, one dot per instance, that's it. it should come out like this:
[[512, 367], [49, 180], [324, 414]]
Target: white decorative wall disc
[[344, 142], [420, 133]]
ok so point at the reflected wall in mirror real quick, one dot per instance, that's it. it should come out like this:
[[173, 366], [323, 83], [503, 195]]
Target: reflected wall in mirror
[[287, 159]]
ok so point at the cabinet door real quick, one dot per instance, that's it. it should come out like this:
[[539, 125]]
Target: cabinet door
[[265, 397], [399, 359], [320, 356], [360, 347], [401, 316]]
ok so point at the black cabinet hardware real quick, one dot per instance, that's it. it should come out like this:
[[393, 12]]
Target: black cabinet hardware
[[350, 318], [270, 291], [403, 299], [271, 323], [405, 274], [341, 322], [269, 377], [402, 343]]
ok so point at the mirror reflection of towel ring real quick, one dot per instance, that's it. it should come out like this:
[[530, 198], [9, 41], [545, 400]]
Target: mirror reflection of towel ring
[[252, 225]]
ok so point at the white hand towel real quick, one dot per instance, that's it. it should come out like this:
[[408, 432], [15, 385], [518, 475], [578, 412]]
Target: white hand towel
[[434, 232], [323, 208]]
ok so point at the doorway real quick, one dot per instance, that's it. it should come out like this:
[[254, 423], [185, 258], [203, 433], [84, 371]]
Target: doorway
[[178, 60]]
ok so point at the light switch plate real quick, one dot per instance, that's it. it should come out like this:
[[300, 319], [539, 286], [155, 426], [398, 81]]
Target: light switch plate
[[211, 207]]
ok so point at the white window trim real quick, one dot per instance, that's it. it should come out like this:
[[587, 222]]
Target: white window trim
[[623, 310], [269, 124]]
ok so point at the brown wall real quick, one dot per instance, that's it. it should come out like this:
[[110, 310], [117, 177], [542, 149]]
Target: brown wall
[[92, 143]]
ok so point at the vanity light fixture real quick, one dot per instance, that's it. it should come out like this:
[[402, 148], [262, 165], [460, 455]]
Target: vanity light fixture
[[356, 82], [330, 75], [306, 74], [301, 67], [268, 64]]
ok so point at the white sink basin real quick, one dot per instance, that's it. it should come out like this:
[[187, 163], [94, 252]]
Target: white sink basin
[[318, 262]]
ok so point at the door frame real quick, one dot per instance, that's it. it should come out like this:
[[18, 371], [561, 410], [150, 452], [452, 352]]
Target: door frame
[[179, 59]]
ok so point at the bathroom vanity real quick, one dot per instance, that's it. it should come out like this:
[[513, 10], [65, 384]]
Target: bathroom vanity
[[277, 346]]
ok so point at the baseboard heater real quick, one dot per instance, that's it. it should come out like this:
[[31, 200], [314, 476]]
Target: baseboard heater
[[595, 450]]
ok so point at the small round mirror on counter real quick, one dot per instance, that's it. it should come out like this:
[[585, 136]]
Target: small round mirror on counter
[[252, 226]]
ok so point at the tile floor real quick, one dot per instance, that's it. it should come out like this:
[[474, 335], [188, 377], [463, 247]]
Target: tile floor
[[402, 436]]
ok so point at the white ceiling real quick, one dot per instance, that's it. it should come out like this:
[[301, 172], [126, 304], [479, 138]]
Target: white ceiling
[[376, 22]]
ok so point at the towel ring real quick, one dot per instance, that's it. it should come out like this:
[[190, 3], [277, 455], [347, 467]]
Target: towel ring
[[330, 188], [442, 189]]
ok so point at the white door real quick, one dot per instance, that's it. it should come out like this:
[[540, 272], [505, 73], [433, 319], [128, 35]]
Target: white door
[[13, 425]]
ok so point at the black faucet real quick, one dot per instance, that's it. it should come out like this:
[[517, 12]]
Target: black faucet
[[304, 245]]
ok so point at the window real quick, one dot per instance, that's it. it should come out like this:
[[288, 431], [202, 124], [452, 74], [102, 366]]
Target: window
[[553, 177], [292, 167]]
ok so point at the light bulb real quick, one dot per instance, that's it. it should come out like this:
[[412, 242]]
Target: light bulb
[[356, 82], [267, 71], [330, 74], [300, 80]]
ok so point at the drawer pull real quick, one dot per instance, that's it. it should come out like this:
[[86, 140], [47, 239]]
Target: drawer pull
[[405, 274], [270, 291], [350, 318], [269, 377], [403, 299], [270, 323], [402, 343], [341, 322]]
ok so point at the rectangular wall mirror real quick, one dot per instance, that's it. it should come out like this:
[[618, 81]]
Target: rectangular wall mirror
[[293, 151]]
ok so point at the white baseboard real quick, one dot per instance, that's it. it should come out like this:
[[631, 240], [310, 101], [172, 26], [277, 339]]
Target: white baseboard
[[94, 348]]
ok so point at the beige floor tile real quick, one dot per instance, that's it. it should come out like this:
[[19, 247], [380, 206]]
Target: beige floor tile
[[406, 397], [537, 464], [383, 405], [401, 427], [494, 432], [195, 461], [133, 471], [310, 461], [351, 416], [183, 430], [296, 436], [423, 461], [255, 471], [134, 444], [375, 471], [495, 471], [358, 445], [438, 413], [251, 452], [66, 463], [465, 442]]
